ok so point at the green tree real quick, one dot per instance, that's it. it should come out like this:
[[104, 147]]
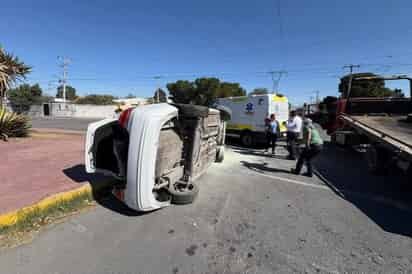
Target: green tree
[[11, 70], [259, 91], [366, 87], [95, 99], [130, 95], [181, 91], [25, 95], [203, 91], [162, 96], [230, 90], [70, 92]]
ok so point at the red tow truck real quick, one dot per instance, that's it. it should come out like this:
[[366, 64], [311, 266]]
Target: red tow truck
[[379, 127]]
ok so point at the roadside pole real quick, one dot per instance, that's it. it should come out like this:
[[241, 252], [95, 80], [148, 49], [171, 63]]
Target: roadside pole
[[351, 66]]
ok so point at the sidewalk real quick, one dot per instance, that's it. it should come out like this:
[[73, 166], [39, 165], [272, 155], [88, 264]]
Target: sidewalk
[[36, 167]]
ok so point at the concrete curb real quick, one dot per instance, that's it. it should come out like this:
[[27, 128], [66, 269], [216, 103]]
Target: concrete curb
[[11, 218], [56, 131]]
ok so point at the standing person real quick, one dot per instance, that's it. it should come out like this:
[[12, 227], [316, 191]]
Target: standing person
[[267, 132], [272, 133], [294, 127], [313, 146]]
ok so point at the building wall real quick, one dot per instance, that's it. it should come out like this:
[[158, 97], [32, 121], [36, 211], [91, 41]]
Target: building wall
[[74, 110]]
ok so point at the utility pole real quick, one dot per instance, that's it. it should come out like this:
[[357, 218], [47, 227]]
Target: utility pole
[[158, 88], [351, 66], [317, 96], [64, 64], [279, 73]]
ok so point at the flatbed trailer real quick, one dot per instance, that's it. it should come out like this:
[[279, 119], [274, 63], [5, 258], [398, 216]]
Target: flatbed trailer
[[381, 127], [391, 132]]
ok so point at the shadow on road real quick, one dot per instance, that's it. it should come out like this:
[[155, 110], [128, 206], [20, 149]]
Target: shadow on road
[[245, 151], [263, 167], [384, 199], [78, 174], [101, 188]]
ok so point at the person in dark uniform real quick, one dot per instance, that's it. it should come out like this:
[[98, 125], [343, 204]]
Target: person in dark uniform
[[272, 133]]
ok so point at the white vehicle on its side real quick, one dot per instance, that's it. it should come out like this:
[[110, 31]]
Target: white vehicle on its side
[[157, 151], [249, 113]]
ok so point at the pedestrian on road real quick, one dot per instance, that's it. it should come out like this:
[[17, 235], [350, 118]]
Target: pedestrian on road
[[272, 133], [313, 146], [294, 127]]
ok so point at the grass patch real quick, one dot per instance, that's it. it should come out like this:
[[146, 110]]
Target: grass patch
[[35, 219]]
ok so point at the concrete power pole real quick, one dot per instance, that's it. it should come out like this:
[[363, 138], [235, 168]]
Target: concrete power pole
[[275, 87], [317, 97], [351, 66], [157, 78], [65, 63]]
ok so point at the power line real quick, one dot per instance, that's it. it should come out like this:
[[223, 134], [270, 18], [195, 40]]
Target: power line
[[276, 81]]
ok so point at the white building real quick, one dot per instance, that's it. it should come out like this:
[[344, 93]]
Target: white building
[[132, 101]]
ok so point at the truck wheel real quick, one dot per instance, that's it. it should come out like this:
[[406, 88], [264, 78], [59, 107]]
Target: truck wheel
[[247, 139], [376, 159], [220, 154], [183, 195]]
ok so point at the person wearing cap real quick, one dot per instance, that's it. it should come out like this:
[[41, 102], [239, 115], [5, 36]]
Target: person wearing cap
[[313, 146], [294, 128]]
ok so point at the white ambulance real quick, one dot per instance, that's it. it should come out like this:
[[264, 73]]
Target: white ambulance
[[249, 113]]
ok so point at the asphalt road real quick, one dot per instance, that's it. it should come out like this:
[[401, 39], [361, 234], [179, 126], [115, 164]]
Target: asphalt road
[[77, 124], [251, 216]]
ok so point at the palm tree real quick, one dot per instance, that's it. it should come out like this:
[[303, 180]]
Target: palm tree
[[11, 70]]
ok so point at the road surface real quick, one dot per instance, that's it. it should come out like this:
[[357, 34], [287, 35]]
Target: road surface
[[77, 124], [251, 216]]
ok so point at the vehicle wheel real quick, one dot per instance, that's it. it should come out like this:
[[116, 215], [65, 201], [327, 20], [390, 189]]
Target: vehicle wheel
[[376, 159], [220, 154], [247, 139], [192, 110], [184, 195]]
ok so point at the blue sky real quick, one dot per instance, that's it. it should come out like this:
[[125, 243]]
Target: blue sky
[[118, 46]]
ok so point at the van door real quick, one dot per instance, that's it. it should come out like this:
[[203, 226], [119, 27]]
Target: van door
[[106, 148]]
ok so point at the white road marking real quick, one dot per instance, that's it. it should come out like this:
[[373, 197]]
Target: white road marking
[[344, 193], [291, 180]]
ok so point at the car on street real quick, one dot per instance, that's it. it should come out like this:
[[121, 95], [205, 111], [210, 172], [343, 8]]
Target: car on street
[[157, 152]]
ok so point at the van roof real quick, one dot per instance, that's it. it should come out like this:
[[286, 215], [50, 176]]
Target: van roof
[[251, 95]]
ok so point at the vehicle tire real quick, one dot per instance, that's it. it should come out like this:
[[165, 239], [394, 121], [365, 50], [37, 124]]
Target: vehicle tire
[[188, 110], [220, 154], [376, 159], [186, 196], [246, 138]]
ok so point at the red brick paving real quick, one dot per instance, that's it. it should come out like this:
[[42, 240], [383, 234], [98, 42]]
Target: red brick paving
[[33, 168]]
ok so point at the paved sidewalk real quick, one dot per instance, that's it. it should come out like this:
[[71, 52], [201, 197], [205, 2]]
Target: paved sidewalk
[[36, 167]]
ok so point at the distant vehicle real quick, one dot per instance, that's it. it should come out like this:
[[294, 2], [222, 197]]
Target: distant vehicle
[[380, 126], [249, 114], [156, 152]]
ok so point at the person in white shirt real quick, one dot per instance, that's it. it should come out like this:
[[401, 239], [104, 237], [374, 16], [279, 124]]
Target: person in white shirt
[[294, 126]]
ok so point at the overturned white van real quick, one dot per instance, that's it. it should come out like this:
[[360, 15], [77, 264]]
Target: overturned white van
[[157, 152]]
